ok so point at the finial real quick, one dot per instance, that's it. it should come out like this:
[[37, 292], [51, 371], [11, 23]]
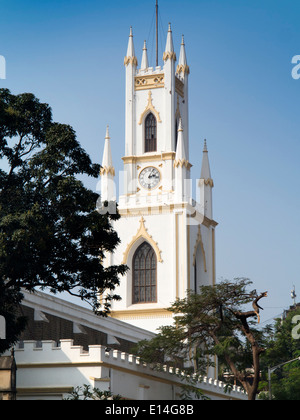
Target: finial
[[169, 30], [182, 40], [180, 127], [205, 146], [144, 63], [107, 133], [130, 34]]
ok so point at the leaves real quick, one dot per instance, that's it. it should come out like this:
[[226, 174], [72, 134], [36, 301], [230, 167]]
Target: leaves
[[282, 347], [86, 393], [212, 322], [51, 235]]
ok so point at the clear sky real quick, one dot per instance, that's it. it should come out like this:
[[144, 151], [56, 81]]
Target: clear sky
[[243, 100]]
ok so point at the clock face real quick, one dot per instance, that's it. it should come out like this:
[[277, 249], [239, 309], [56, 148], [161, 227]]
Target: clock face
[[149, 178]]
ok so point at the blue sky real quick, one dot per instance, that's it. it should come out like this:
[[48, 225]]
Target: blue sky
[[243, 100]]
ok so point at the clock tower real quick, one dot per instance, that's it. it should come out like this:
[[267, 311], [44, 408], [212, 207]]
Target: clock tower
[[167, 238]]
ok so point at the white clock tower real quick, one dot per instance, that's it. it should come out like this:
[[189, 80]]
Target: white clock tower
[[167, 238]]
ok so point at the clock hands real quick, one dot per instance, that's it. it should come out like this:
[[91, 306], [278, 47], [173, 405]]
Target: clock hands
[[153, 174], [149, 178]]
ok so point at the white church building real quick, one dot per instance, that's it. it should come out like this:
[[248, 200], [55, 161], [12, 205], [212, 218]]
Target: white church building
[[167, 236], [167, 241]]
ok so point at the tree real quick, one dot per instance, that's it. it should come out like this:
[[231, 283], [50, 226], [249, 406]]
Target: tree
[[281, 347], [86, 393], [51, 235], [211, 323]]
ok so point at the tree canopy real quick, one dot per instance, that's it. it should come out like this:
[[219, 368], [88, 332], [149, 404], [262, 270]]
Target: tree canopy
[[213, 322], [281, 347], [51, 235]]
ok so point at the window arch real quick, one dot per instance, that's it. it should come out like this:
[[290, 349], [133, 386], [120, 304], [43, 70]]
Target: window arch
[[150, 133], [144, 274]]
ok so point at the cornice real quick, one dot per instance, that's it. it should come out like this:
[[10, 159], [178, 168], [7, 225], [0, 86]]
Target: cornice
[[153, 157]]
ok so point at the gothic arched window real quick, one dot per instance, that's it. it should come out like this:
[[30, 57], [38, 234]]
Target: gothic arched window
[[144, 275], [150, 134]]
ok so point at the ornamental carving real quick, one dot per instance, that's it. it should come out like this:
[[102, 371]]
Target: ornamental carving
[[143, 233], [153, 81], [150, 108]]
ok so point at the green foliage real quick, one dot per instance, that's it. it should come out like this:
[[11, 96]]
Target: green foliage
[[282, 347], [86, 393], [213, 322], [51, 235]]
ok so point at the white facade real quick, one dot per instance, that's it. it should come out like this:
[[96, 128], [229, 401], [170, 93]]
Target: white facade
[[157, 207], [49, 370], [50, 373]]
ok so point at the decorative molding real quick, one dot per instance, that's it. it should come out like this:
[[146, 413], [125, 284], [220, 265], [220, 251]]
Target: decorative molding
[[130, 60], [141, 313], [142, 233], [183, 68], [151, 81], [169, 56], [209, 222], [181, 163], [106, 170], [207, 182], [149, 157], [199, 241], [150, 108]]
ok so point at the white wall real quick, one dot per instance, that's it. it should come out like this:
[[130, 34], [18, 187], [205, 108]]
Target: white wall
[[51, 372]]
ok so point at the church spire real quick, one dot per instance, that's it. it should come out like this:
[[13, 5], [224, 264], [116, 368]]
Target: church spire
[[107, 172], [205, 169], [107, 157], [182, 169], [144, 63], [206, 184], [130, 57], [180, 149], [169, 51], [182, 66]]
